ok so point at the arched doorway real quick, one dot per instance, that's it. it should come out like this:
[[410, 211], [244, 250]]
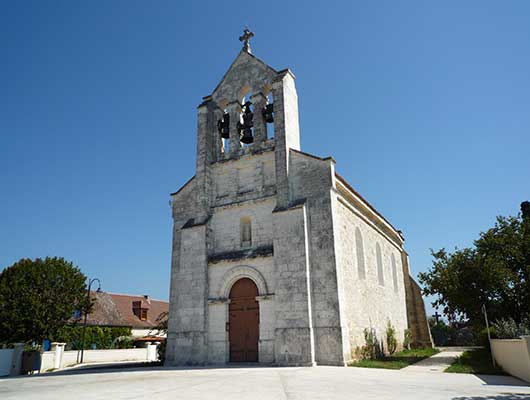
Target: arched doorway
[[243, 333]]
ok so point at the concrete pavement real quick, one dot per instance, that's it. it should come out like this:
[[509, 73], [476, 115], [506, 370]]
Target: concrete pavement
[[258, 383], [439, 362]]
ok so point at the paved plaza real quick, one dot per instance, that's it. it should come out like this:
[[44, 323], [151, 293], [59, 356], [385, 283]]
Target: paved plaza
[[439, 362], [261, 383]]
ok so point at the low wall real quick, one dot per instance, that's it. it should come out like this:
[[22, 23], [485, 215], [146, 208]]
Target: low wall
[[513, 355], [99, 356], [48, 361], [57, 358]]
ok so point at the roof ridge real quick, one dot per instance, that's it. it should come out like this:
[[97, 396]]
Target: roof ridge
[[370, 206], [136, 295], [242, 51]]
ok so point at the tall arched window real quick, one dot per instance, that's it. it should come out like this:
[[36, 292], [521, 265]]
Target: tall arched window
[[359, 247], [379, 260], [246, 232], [394, 273]]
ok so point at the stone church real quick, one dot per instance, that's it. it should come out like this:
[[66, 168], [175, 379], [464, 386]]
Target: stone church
[[276, 258]]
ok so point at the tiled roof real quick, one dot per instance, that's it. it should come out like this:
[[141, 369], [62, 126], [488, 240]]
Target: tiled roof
[[111, 309]]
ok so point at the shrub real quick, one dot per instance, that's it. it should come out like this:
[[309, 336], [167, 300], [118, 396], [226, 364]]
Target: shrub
[[510, 329], [464, 337], [407, 340], [369, 350], [123, 342], [391, 341], [482, 337], [100, 337]]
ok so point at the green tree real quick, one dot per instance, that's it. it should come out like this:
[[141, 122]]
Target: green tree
[[494, 272], [38, 297]]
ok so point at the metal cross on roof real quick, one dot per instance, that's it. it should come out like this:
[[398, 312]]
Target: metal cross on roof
[[245, 38], [437, 317]]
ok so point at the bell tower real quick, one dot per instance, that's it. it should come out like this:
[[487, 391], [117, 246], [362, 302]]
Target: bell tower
[[253, 109]]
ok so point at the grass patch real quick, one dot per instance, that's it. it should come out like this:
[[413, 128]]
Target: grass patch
[[475, 362], [397, 360]]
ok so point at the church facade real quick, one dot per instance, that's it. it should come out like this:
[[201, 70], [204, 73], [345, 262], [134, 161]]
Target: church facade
[[276, 258]]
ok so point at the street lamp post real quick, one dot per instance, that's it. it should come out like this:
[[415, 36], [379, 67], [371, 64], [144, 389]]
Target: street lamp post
[[90, 282]]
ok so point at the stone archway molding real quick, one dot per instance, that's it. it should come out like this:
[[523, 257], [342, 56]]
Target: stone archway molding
[[242, 271]]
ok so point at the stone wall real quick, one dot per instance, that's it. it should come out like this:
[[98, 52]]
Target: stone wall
[[294, 340], [187, 328], [416, 316], [225, 225], [311, 178], [249, 177], [368, 304]]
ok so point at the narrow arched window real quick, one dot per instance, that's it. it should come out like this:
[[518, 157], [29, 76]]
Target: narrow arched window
[[394, 272], [379, 260], [359, 247], [246, 232]]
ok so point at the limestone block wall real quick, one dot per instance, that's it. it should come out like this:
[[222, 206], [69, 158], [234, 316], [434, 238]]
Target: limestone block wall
[[294, 339], [311, 178], [368, 304], [417, 318], [225, 225], [183, 202], [248, 177], [189, 291], [246, 74]]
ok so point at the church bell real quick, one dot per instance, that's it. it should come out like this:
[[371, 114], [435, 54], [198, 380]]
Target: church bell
[[247, 137], [247, 125], [223, 125], [268, 113]]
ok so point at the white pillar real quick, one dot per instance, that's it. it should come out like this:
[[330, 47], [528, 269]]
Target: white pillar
[[151, 351], [58, 349], [266, 328], [218, 346]]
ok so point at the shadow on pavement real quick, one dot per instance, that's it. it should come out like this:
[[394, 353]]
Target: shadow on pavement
[[502, 396], [132, 367], [502, 380]]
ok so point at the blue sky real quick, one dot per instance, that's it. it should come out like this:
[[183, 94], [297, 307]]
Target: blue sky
[[424, 105]]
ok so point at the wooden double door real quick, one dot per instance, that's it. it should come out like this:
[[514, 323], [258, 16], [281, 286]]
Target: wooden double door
[[243, 328]]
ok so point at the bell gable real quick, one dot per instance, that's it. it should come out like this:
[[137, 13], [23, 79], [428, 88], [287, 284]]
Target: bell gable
[[247, 74]]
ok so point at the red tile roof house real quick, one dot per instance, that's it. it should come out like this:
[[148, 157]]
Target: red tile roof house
[[139, 313]]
